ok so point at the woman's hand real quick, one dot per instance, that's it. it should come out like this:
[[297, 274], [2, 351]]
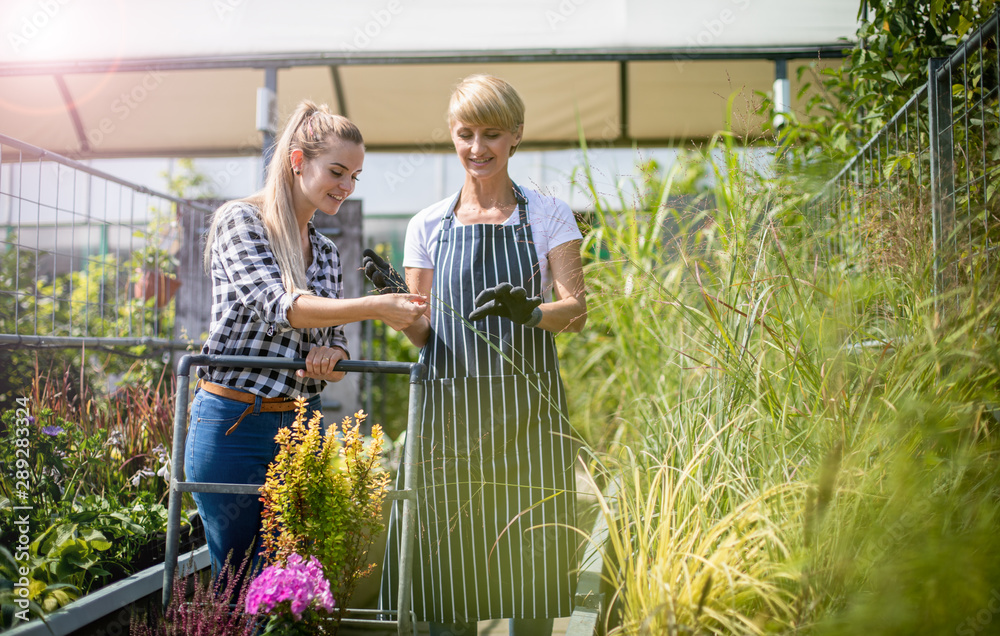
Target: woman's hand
[[399, 311], [320, 363]]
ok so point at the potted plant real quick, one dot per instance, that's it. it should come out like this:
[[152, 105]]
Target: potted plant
[[155, 264], [322, 510]]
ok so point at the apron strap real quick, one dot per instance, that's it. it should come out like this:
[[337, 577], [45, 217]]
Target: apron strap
[[449, 216]]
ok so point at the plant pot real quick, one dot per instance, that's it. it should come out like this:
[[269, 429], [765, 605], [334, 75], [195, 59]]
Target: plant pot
[[155, 284]]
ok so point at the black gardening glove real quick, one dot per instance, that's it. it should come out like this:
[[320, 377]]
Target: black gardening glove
[[509, 302], [386, 279]]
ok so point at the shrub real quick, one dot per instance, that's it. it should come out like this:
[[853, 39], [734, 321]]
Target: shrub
[[323, 498]]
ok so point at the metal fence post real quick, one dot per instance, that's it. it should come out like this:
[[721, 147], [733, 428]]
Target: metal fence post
[[176, 475], [410, 485], [942, 160]]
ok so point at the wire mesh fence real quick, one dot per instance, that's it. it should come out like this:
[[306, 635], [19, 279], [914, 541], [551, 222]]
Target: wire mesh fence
[[967, 214], [927, 178], [85, 257]]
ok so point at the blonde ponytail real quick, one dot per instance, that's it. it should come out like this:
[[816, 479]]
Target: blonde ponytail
[[309, 129]]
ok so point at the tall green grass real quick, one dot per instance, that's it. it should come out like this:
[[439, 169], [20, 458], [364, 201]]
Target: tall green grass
[[766, 414]]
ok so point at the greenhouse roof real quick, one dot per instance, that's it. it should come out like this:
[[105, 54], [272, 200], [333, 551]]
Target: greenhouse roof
[[109, 78]]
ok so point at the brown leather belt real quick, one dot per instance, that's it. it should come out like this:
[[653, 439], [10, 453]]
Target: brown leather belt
[[267, 405]]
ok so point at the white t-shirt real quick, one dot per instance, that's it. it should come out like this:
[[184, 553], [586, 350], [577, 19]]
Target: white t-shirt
[[551, 220]]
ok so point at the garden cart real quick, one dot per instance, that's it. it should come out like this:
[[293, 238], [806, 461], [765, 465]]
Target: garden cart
[[401, 616]]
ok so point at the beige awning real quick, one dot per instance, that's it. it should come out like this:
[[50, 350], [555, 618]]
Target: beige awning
[[112, 78]]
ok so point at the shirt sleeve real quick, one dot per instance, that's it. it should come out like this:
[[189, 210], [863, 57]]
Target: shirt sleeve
[[559, 223], [416, 248], [246, 257]]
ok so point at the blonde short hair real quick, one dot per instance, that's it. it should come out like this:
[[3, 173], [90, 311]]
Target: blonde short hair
[[485, 100]]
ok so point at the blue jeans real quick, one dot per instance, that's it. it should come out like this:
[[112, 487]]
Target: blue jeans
[[232, 522]]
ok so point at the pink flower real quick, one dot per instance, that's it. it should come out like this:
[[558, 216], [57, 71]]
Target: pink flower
[[300, 584]]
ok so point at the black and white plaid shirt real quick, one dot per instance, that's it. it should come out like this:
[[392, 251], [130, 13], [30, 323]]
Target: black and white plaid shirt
[[250, 305]]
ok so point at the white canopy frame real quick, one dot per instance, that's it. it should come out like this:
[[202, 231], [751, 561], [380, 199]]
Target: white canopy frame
[[626, 72]]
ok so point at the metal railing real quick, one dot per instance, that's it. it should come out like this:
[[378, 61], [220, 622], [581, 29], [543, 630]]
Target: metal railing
[[930, 172], [82, 254]]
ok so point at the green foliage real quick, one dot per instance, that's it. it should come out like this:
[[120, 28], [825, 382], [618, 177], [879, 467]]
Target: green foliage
[[188, 182], [23, 596], [323, 497], [96, 301], [161, 237], [848, 104], [67, 552], [81, 484], [796, 444], [628, 236]]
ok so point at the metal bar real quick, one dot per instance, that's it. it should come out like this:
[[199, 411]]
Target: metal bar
[[38, 212], [973, 42], [268, 139], [176, 476], [226, 489], [265, 362], [366, 622], [623, 99], [72, 342], [899, 113], [338, 90], [74, 114], [942, 167], [66, 161], [398, 495], [965, 123], [286, 60], [410, 485], [17, 252], [428, 147]]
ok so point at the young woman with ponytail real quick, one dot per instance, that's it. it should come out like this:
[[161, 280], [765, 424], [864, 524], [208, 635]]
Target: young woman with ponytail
[[277, 291]]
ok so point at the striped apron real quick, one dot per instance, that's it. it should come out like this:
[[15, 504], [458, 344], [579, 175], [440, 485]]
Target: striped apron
[[496, 500]]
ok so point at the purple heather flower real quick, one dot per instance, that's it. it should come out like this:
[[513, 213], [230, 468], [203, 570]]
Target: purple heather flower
[[301, 583], [31, 419], [52, 431]]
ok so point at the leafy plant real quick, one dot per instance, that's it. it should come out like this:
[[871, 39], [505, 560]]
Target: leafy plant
[[848, 104], [94, 473], [68, 551], [323, 498], [21, 595]]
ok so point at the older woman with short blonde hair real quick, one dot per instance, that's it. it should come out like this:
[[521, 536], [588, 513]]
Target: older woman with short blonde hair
[[501, 265]]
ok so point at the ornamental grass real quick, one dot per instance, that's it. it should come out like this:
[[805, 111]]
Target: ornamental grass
[[786, 440]]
